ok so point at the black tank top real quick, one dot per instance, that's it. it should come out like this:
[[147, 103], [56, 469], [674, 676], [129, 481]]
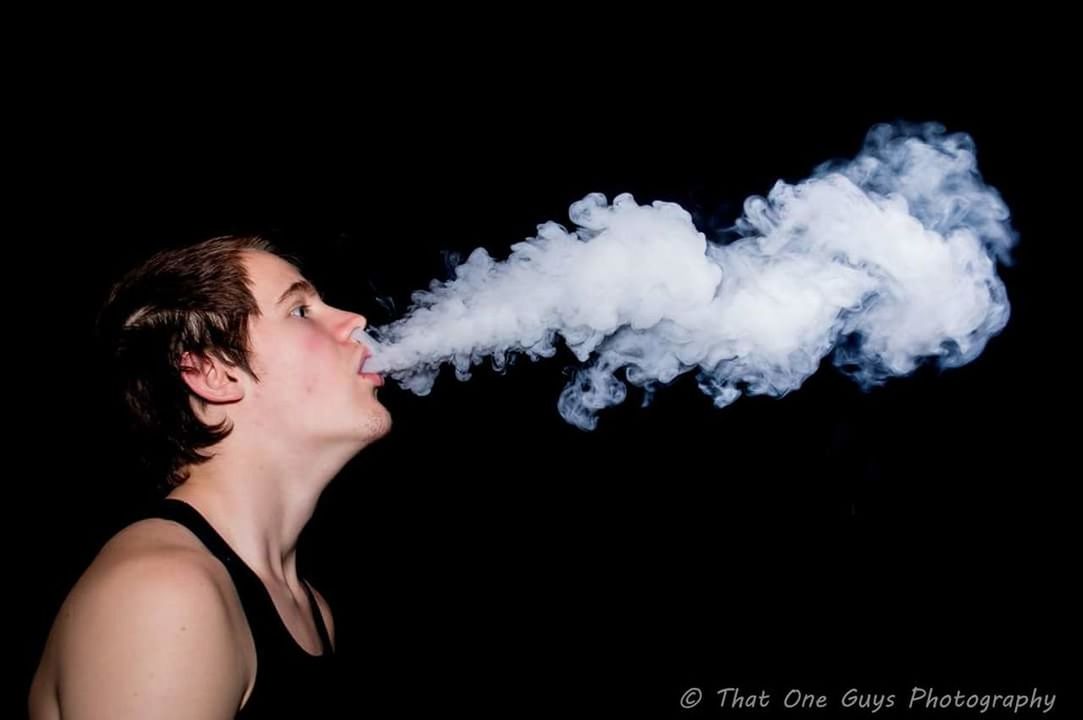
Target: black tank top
[[288, 679]]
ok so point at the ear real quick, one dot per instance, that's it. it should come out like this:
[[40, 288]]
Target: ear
[[211, 379]]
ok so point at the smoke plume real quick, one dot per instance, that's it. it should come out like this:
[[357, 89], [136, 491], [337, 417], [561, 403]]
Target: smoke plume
[[883, 262]]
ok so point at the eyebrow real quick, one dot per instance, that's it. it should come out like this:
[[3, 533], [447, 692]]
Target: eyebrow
[[299, 287]]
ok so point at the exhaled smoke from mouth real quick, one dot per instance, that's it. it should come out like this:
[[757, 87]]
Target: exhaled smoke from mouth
[[883, 262]]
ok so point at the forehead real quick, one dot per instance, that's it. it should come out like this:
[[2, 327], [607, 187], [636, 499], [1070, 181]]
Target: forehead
[[270, 276]]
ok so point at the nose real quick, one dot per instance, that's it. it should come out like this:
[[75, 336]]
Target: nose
[[352, 325]]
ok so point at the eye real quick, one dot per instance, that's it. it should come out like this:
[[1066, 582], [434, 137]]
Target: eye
[[304, 309]]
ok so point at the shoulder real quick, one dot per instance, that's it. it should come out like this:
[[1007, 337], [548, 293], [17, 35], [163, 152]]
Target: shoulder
[[149, 628]]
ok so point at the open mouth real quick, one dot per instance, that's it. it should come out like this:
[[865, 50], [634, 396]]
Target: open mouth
[[374, 378]]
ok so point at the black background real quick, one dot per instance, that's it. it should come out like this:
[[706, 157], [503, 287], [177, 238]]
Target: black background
[[486, 557]]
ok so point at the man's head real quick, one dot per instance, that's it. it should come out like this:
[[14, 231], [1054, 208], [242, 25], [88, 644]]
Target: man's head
[[226, 335]]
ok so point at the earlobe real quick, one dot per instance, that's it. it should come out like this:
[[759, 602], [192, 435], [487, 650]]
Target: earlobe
[[211, 379]]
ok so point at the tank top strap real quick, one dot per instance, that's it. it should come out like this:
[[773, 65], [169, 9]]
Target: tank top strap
[[183, 513]]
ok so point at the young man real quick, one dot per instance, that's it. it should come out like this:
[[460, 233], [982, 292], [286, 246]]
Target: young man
[[246, 393]]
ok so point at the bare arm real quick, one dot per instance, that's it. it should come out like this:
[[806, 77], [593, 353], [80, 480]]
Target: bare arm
[[149, 637]]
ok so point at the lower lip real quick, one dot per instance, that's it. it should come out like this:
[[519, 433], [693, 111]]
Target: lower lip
[[373, 378]]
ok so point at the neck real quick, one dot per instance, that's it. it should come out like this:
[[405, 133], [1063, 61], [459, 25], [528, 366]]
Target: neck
[[259, 502]]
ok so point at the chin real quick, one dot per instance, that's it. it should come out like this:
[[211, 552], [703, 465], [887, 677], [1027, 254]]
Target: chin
[[376, 424]]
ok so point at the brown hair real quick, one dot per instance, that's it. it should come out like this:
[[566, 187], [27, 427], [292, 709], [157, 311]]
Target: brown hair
[[191, 299]]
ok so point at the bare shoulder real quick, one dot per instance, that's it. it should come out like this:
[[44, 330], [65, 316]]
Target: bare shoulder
[[328, 617], [149, 628], [152, 535]]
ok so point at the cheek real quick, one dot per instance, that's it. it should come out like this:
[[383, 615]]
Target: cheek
[[318, 364]]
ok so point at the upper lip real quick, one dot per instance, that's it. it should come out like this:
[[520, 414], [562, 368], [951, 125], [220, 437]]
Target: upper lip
[[365, 355]]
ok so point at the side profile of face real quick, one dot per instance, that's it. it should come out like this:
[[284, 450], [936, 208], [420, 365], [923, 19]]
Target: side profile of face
[[310, 391]]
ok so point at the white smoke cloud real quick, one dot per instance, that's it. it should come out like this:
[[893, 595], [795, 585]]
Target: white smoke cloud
[[883, 262]]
